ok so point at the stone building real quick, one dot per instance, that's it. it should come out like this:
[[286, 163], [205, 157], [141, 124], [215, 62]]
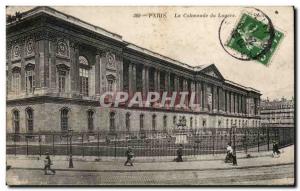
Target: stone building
[[278, 113], [58, 66]]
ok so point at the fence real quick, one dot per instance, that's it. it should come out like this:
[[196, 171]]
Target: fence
[[149, 143]]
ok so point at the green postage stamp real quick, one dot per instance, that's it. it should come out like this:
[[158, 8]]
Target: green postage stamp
[[254, 39]]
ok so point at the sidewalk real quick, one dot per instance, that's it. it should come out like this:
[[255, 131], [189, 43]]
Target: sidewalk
[[209, 162]]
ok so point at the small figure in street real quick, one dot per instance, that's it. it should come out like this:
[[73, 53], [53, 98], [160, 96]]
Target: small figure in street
[[229, 155], [276, 152], [48, 164], [129, 154], [179, 153]]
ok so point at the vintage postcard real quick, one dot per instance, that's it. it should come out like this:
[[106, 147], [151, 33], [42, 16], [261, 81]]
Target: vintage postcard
[[145, 96]]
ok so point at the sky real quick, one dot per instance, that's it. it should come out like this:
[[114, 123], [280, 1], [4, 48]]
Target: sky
[[195, 41]]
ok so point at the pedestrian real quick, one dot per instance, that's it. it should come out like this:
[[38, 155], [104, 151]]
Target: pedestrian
[[276, 151], [229, 154], [48, 163], [129, 154], [179, 153]]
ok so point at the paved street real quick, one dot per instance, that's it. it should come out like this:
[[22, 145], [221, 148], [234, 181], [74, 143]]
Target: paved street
[[262, 175], [263, 170]]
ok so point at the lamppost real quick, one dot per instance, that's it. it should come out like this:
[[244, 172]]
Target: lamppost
[[234, 162], [70, 154]]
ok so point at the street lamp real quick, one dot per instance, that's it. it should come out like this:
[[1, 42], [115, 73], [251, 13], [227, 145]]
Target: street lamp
[[234, 161], [70, 154]]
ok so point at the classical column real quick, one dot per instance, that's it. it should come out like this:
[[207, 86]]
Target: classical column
[[52, 65], [204, 96], [97, 73], [234, 103], [130, 79], [147, 79], [145, 76], [225, 101], [193, 89], [155, 80], [133, 78], [167, 81], [176, 83], [199, 94], [158, 81], [214, 98], [231, 101]]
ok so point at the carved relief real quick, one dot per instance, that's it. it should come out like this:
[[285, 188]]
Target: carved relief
[[111, 61], [62, 48], [16, 52], [29, 46]]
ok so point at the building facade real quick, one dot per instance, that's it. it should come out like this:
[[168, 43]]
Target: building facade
[[58, 66], [278, 113]]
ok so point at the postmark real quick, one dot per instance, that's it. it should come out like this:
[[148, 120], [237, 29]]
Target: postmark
[[253, 37]]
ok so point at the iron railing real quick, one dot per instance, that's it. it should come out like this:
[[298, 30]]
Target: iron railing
[[148, 143]]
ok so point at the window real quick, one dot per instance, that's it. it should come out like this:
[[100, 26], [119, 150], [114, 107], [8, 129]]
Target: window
[[16, 121], [29, 78], [112, 127], [191, 122], [62, 81], [204, 123], [111, 82], [226, 123], [64, 119], [174, 120], [165, 123], [142, 122], [16, 82], [127, 122], [110, 85], [153, 122], [29, 119], [84, 81], [84, 75], [90, 120], [219, 123]]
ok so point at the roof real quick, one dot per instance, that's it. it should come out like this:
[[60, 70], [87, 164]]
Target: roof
[[101, 31]]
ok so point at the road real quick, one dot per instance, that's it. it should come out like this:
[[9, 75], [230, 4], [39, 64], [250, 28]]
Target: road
[[272, 175]]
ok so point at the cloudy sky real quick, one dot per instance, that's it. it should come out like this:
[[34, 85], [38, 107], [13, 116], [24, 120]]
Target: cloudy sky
[[195, 40]]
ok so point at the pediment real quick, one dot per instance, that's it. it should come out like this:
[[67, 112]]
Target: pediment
[[212, 71]]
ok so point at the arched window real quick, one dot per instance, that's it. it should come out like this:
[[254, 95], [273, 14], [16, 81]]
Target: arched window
[[90, 114], [191, 122], [127, 122], [16, 121], [16, 80], [64, 119], [165, 123], [112, 127], [219, 123], [29, 78], [84, 75], [204, 123], [153, 122], [142, 122], [174, 120], [29, 120]]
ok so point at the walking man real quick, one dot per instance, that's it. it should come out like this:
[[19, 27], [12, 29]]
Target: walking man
[[276, 151], [179, 154], [129, 154], [229, 155], [48, 164]]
